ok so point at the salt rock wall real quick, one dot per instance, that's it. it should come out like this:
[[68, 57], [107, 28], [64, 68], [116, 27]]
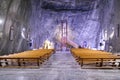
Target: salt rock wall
[[26, 24], [83, 23], [14, 15], [97, 22], [109, 22]]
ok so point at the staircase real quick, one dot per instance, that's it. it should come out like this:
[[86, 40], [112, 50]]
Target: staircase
[[61, 60], [62, 65]]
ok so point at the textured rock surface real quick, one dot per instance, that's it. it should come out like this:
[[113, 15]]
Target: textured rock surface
[[33, 22], [79, 22], [15, 14]]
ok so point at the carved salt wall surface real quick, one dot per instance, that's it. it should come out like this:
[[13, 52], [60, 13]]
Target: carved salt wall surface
[[109, 20], [28, 23], [84, 25], [15, 18]]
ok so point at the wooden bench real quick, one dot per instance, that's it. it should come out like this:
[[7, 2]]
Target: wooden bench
[[101, 62], [19, 61], [98, 58], [35, 57]]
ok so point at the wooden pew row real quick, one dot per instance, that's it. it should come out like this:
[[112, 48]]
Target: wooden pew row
[[35, 57], [87, 52], [94, 57], [25, 55], [21, 61], [100, 62]]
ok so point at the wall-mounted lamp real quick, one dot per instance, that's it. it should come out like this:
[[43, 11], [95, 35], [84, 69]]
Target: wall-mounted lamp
[[23, 33], [105, 35], [1, 21]]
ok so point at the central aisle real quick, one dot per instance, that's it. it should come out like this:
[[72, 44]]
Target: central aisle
[[61, 60], [62, 66]]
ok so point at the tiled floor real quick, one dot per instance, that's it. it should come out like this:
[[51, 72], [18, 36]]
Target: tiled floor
[[61, 66]]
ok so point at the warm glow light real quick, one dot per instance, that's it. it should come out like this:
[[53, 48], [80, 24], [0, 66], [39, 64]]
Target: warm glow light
[[48, 44]]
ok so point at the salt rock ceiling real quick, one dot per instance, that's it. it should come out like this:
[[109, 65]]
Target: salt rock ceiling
[[68, 5]]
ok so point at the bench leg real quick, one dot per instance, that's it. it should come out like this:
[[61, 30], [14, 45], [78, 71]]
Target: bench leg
[[38, 64], [101, 63], [19, 62], [119, 64], [0, 64], [6, 62], [81, 63]]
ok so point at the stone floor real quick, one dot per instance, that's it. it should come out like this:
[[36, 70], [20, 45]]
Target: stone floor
[[60, 66]]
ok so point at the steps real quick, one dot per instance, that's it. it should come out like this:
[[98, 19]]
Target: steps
[[61, 60]]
